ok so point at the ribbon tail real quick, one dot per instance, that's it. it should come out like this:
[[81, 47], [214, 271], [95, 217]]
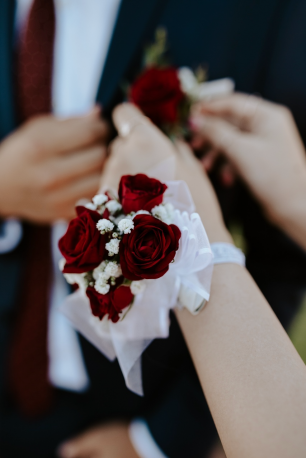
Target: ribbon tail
[[77, 309], [129, 358]]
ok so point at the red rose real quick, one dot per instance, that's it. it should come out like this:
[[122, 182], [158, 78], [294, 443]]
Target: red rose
[[139, 192], [111, 303], [157, 92], [148, 250], [82, 246]]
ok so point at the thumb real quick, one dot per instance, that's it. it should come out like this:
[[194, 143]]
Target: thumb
[[221, 134], [126, 116]]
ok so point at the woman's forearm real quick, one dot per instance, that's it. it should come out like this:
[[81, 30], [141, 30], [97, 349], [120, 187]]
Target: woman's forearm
[[253, 378], [291, 218]]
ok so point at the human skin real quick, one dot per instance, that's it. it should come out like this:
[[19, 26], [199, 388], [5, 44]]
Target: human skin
[[48, 164], [110, 440], [262, 144], [253, 379]]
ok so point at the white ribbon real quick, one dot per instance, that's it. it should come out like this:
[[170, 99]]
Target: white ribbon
[[187, 283]]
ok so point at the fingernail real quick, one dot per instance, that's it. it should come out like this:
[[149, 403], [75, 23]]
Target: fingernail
[[195, 122], [227, 179]]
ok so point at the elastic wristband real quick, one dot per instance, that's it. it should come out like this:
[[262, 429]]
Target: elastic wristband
[[227, 253]]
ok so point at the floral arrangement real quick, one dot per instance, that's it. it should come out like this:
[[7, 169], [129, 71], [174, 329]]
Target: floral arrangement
[[165, 93], [114, 244], [134, 257]]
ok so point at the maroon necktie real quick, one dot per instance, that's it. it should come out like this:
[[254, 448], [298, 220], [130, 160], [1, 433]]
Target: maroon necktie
[[28, 369]]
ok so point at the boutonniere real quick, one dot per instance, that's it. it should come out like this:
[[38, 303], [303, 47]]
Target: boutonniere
[[166, 93]]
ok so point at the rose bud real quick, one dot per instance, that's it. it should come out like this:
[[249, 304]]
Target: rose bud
[[139, 192], [148, 250], [82, 246], [111, 303], [157, 92]]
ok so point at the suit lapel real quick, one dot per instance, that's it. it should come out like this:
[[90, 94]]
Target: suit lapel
[[7, 115], [135, 20]]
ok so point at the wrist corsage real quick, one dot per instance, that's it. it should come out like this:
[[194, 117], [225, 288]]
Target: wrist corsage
[[134, 257]]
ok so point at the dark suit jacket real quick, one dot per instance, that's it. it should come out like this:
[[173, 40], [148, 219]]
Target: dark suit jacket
[[248, 41]]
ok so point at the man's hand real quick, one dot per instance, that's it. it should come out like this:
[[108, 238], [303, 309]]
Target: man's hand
[[105, 441], [48, 164]]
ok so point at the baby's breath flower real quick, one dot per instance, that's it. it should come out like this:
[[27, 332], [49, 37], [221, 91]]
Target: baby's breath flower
[[102, 288], [103, 277], [137, 287], [77, 279], [164, 212], [113, 269], [159, 212], [126, 226], [170, 212], [113, 206], [104, 225], [96, 272], [112, 247], [100, 199]]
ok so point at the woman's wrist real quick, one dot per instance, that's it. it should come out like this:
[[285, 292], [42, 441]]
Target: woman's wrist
[[219, 235]]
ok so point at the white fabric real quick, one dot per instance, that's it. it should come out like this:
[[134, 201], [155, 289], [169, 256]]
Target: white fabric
[[83, 33], [227, 253], [142, 440], [187, 283]]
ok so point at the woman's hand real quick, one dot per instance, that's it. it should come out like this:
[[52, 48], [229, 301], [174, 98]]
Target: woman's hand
[[261, 141], [143, 148], [139, 148]]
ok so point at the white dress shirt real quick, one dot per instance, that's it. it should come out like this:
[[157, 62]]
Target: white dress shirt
[[83, 33]]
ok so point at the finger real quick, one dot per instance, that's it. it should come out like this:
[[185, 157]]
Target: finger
[[67, 196], [77, 165], [222, 135], [76, 448], [227, 175], [240, 108], [198, 142], [95, 111], [126, 116], [85, 445], [59, 136], [209, 159]]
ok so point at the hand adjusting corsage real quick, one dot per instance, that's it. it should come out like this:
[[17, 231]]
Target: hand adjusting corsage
[[134, 257]]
